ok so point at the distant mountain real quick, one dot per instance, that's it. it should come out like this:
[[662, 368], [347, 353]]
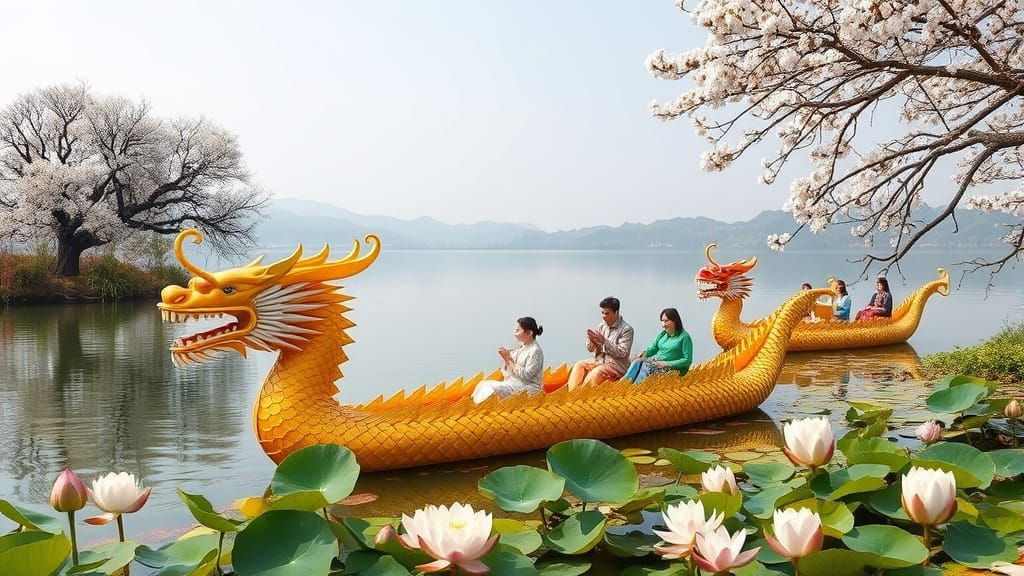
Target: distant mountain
[[289, 221]]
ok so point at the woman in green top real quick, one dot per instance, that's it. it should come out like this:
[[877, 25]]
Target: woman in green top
[[672, 349]]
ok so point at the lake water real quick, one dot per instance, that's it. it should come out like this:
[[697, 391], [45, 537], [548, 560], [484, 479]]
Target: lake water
[[92, 386]]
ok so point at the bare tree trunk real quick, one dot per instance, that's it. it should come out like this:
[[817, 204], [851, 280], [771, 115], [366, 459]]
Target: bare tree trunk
[[69, 253]]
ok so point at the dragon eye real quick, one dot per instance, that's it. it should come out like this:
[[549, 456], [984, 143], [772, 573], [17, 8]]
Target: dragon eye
[[228, 289]]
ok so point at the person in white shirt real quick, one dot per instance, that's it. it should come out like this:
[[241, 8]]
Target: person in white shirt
[[521, 369]]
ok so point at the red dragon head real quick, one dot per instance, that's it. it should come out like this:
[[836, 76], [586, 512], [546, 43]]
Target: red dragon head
[[724, 281]]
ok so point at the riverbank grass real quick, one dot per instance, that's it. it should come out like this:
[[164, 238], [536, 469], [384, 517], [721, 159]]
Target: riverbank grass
[[999, 358], [30, 279]]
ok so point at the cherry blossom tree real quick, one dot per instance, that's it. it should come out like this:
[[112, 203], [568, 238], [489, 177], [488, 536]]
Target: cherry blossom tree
[[945, 76], [86, 170]]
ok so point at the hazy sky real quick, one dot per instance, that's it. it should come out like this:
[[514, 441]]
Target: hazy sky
[[529, 111]]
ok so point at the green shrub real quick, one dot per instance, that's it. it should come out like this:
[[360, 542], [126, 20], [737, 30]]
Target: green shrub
[[111, 279], [1001, 357]]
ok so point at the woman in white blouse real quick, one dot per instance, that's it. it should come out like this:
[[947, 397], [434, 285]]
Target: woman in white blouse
[[521, 369]]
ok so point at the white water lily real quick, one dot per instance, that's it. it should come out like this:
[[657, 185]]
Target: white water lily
[[929, 495], [118, 493], [809, 442], [798, 533], [685, 522], [452, 536], [717, 551], [719, 479]]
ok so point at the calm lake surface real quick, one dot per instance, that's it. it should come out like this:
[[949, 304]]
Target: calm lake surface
[[92, 386]]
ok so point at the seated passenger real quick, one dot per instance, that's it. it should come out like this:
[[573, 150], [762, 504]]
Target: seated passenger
[[521, 369], [842, 302], [610, 344], [880, 305], [810, 313], [672, 349]]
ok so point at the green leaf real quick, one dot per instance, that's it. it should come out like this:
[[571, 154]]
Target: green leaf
[[31, 520], [578, 534], [976, 546], [204, 567], [593, 470], [1002, 519], [285, 543], [756, 568], [888, 502], [730, 504], [767, 473], [767, 555], [960, 379], [1009, 463], [314, 477], [894, 547], [971, 467], [562, 567], [874, 451], [956, 399], [185, 551], [851, 480], [367, 563], [204, 513], [521, 488], [518, 534], [836, 517], [508, 560], [762, 503], [672, 569], [33, 553], [643, 498], [835, 562], [678, 492], [633, 544], [690, 461], [106, 560]]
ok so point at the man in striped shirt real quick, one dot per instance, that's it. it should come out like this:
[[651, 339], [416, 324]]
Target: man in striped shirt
[[610, 344]]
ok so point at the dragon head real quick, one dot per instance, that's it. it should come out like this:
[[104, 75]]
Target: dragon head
[[724, 281], [270, 306]]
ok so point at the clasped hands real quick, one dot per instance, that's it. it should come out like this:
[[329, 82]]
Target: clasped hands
[[595, 338]]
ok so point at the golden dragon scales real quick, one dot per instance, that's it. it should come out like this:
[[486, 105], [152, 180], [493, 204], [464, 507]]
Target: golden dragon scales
[[730, 283], [290, 307]]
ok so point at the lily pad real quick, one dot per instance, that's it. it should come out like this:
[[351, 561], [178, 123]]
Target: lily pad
[[679, 492], [314, 477], [31, 520], [185, 551], [762, 504], [836, 517], [888, 502], [285, 543], [1009, 463], [593, 470], [730, 504], [630, 452], [956, 398], [204, 513], [508, 560], [874, 451], [894, 547], [690, 461], [976, 546], [107, 560], [767, 473], [519, 534], [578, 534], [1003, 519], [367, 563], [521, 488], [33, 552], [742, 456], [851, 480], [971, 467], [672, 569], [835, 562], [562, 567], [633, 544]]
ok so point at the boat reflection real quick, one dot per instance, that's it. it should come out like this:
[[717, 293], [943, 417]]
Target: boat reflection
[[839, 368], [395, 492]]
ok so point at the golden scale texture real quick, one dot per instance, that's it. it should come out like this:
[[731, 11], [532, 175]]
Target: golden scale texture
[[828, 334], [296, 405]]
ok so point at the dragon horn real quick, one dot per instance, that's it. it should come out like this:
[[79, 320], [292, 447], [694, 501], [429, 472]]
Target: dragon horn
[[707, 254], [278, 269], [179, 241]]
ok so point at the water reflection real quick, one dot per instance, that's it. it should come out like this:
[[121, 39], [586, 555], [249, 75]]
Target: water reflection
[[838, 368], [406, 490], [92, 387]]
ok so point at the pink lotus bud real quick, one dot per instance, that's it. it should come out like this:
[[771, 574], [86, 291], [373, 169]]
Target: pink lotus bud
[[797, 533], [929, 496], [930, 432], [386, 534], [1013, 410], [809, 442], [69, 493], [719, 479]]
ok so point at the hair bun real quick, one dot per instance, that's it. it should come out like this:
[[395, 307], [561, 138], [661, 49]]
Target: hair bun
[[540, 330]]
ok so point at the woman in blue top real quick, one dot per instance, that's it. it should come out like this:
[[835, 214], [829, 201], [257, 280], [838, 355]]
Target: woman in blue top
[[842, 302], [672, 349]]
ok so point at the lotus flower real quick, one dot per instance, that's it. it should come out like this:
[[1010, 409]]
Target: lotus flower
[[386, 534], [930, 432], [809, 442], [1013, 410], [117, 494], [684, 522], [929, 496], [797, 533], [69, 493], [457, 536], [719, 479], [719, 552]]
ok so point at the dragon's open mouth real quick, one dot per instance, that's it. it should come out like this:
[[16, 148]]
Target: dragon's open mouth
[[204, 345], [708, 289]]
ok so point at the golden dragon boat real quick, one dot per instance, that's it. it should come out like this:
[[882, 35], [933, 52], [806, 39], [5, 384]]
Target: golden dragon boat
[[291, 307], [730, 283]]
